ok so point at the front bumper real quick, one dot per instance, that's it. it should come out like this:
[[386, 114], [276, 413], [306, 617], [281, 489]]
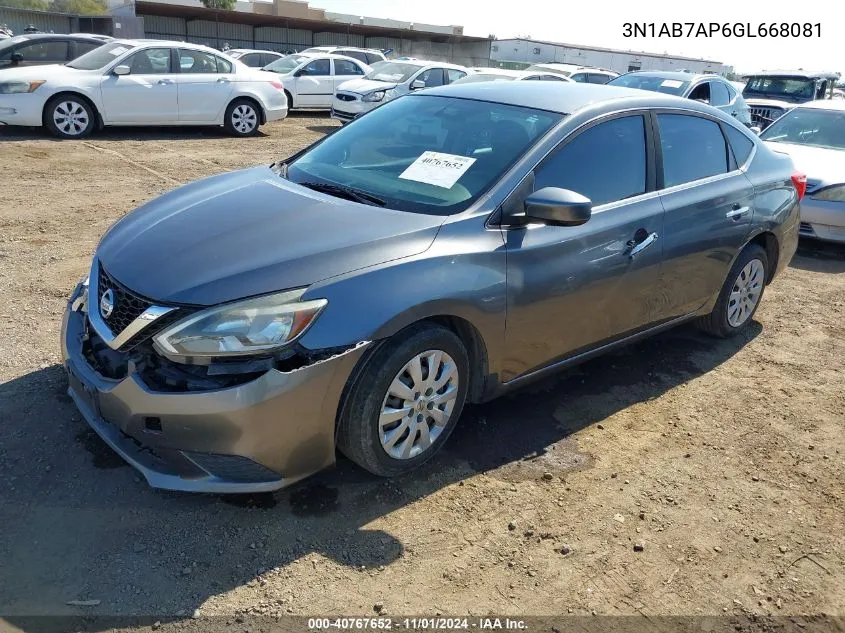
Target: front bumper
[[823, 220], [256, 437], [346, 111], [23, 109]]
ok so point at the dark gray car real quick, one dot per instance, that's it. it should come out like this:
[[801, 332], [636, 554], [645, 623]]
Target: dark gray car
[[447, 247], [39, 49]]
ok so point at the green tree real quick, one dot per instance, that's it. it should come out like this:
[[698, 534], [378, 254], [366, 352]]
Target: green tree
[[226, 5], [82, 7], [37, 5]]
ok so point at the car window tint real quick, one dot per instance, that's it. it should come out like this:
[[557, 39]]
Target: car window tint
[[199, 62], [719, 94], [318, 68], [345, 67], [86, 47], [731, 92], [740, 144], [693, 148], [268, 58], [701, 92], [359, 55], [454, 74], [150, 61], [253, 60], [432, 77], [579, 77], [372, 58], [606, 162], [223, 65], [44, 52], [597, 78], [553, 78]]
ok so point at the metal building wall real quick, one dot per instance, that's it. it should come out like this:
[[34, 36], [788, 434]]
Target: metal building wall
[[19, 19], [164, 27]]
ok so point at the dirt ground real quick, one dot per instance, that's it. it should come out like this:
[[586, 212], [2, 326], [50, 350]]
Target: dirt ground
[[723, 460]]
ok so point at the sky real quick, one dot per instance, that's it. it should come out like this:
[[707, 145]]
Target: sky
[[601, 24]]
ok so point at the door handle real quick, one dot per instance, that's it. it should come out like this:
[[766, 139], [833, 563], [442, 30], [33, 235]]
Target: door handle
[[737, 212], [639, 247], [222, 80], [165, 82]]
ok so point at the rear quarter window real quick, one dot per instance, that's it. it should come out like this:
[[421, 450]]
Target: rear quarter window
[[740, 144]]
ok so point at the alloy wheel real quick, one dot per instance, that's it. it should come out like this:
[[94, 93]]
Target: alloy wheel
[[418, 405], [746, 292], [244, 118], [71, 118]]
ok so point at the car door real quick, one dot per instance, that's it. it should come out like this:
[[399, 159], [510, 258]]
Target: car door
[[147, 94], [205, 83], [314, 83], [344, 70], [571, 288], [709, 207]]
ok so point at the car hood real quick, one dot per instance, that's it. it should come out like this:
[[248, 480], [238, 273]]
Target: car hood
[[251, 232], [37, 72], [364, 86], [822, 166], [771, 103]]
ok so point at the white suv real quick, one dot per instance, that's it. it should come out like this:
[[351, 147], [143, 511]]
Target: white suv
[[367, 55]]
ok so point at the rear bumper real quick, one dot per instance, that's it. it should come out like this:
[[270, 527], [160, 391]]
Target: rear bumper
[[255, 437], [276, 114]]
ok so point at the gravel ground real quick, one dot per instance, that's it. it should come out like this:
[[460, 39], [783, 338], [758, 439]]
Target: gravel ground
[[682, 475]]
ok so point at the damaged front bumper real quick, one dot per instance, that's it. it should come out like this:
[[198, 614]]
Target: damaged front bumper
[[258, 436]]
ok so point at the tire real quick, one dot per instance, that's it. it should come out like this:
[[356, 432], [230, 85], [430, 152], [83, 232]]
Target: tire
[[69, 116], [746, 281], [289, 97], [361, 436], [243, 117]]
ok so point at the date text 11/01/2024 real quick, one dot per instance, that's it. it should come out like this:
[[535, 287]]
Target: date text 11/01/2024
[[432, 624], [723, 29]]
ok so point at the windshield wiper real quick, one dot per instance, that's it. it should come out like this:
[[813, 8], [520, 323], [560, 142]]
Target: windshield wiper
[[349, 193]]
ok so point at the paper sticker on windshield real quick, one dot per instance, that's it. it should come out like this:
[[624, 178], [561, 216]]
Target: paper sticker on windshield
[[672, 83], [440, 170], [118, 51]]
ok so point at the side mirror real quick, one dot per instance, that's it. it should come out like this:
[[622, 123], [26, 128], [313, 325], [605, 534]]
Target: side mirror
[[558, 207], [418, 84], [122, 70], [17, 58]]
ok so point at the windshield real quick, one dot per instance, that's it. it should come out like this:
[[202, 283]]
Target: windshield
[[392, 72], [100, 57], [783, 87], [809, 126], [424, 154], [471, 79], [286, 64], [650, 82]]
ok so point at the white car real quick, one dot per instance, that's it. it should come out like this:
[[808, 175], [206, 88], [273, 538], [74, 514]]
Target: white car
[[254, 58], [504, 74], [142, 82], [389, 80], [581, 74], [367, 55], [310, 79]]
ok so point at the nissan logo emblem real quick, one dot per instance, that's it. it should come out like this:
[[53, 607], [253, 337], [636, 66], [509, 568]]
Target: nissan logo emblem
[[107, 303]]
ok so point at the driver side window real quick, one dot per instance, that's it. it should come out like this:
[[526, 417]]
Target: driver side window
[[701, 92], [317, 68], [151, 61]]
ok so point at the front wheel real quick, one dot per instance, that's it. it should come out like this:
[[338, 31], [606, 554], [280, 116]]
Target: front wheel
[[69, 116], [740, 296], [406, 401], [242, 118]]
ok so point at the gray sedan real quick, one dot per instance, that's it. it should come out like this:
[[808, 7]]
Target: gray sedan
[[813, 134], [448, 247]]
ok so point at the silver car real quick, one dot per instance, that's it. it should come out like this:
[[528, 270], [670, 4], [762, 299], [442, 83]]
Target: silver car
[[710, 89], [388, 80], [813, 134]]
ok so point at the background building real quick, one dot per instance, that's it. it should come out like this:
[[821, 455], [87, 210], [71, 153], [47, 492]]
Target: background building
[[518, 53]]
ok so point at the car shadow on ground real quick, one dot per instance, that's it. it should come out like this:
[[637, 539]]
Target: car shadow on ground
[[129, 133], [819, 257], [80, 524]]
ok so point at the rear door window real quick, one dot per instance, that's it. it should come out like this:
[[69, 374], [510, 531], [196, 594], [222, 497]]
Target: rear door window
[[44, 53], [346, 67], [253, 60], [454, 74], [606, 162], [719, 94], [432, 77], [693, 148], [579, 77]]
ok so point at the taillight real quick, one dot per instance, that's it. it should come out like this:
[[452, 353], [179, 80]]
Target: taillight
[[277, 85], [799, 180]]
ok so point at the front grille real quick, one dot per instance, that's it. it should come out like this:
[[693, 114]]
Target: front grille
[[127, 305], [345, 97], [343, 115], [765, 115]]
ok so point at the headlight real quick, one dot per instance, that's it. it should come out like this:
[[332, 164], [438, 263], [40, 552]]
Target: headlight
[[244, 327], [374, 96], [79, 296], [831, 194], [19, 87]]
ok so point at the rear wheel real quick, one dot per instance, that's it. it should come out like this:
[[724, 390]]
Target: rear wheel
[[406, 401], [740, 296], [242, 118], [69, 116]]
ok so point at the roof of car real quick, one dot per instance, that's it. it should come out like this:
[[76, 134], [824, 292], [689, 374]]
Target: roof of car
[[250, 50], [572, 68], [346, 48], [824, 104], [423, 63], [679, 75], [554, 96], [824, 74]]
